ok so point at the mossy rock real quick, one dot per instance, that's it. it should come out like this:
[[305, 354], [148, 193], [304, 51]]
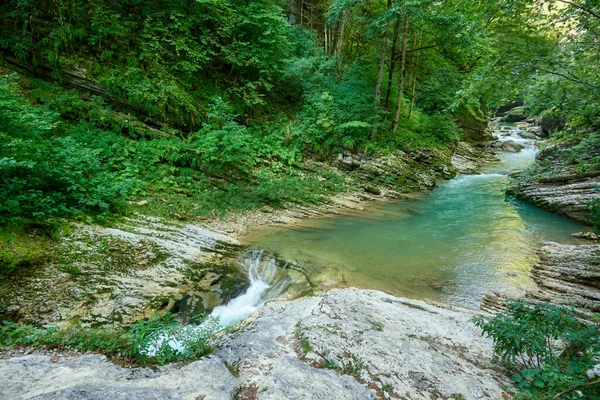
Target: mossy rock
[[517, 114], [472, 119]]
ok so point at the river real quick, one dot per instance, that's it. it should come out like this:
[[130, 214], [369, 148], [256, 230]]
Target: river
[[455, 244]]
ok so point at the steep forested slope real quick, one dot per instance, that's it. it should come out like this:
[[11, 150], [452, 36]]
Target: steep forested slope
[[220, 101]]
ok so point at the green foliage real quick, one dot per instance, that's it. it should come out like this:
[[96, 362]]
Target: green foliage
[[145, 342], [594, 207], [23, 247], [42, 175], [162, 339], [545, 346], [163, 57]]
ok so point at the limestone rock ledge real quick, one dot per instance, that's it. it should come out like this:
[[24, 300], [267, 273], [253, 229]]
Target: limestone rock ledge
[[554, 185], [564, 274], [343, 344]]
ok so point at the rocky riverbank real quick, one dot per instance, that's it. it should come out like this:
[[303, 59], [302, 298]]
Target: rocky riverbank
[[350, 344], [562, 181], [564, 274], [396, 176]]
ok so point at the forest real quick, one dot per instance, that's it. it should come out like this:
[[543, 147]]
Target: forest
[[192, 110], [218, 103]]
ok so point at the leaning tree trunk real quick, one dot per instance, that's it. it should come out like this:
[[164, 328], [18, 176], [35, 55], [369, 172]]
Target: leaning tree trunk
[[380, 74], [401, 85]]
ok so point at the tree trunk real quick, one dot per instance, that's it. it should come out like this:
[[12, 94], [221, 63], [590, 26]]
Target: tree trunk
[[325, 35], [340, 39], [380, 74], [293, 12], [393, 56], [413, 83], [401, 85]]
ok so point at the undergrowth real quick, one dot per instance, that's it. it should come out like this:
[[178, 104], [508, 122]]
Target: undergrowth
[[63, 155], [546, 348]]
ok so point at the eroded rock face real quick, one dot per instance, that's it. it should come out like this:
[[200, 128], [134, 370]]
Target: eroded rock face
[[502, 110], [474, 126], [399, 172], [568, 274], [517, 114], [343, 344], [468, 159], [564, 274], [552, 185], [550, 124], [109, 276]]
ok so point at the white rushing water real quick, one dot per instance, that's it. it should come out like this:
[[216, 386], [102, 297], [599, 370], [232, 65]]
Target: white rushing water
[[264, 286]]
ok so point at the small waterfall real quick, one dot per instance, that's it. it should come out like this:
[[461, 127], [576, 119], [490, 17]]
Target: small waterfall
[[264, 287]]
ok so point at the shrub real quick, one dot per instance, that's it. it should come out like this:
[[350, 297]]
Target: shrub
[[42, 175], [545, 346]]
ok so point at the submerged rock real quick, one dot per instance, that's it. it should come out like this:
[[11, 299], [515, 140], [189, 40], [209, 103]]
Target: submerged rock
[[343, 344], [586, 235]]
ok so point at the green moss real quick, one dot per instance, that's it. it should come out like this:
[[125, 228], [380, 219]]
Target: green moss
[[23, 248]]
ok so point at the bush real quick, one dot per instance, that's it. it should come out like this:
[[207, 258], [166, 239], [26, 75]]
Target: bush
[[546, 347]]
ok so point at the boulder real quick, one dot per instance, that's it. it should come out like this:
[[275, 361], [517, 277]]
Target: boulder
[[503, 109], [516, 114], [474, 123], [527, 135], [343, 344], [511, 146], [550, 124]]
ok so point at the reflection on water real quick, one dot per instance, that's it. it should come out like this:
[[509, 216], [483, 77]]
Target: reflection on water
[[461, 241]]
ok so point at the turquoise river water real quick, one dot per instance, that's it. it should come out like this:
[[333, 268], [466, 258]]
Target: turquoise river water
[[462, 240]]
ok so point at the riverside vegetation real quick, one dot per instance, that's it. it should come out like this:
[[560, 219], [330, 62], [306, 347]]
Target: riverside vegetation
[[196, 109]]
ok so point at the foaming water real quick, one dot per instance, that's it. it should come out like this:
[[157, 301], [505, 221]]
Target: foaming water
[[263, 287], [463, 240], [267, 282]]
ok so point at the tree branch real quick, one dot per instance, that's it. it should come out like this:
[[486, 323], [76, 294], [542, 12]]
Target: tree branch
[[588, 85], [596, 382], [592, 13]]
